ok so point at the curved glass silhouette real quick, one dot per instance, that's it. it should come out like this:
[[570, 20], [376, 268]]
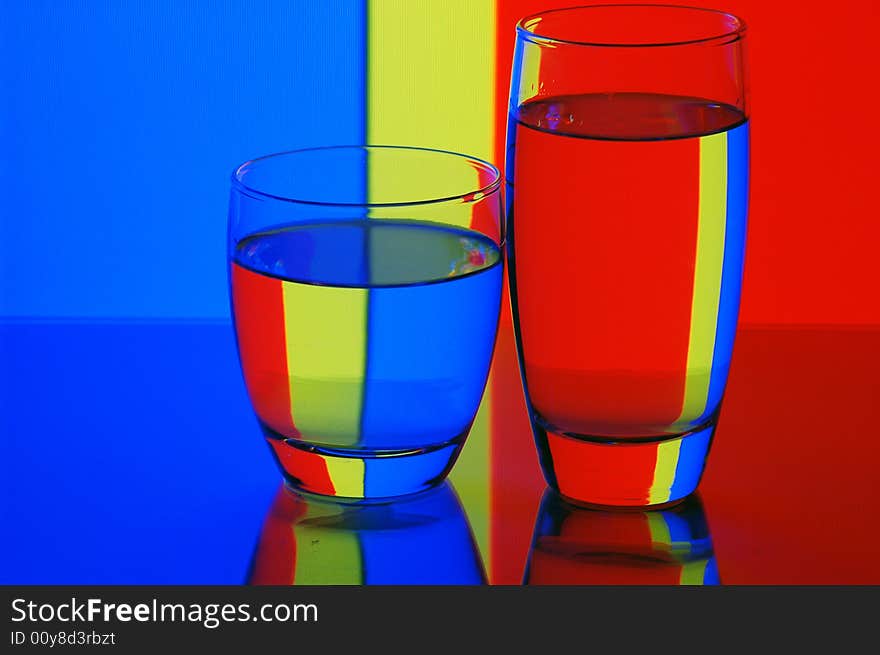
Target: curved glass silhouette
[[627, 195], [365, 284]]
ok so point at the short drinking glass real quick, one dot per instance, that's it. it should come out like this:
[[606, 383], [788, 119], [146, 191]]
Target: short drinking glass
[[627, 169], [365, 286]]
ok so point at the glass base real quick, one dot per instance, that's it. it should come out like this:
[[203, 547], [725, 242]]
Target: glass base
[[598, 473], [359, 474]]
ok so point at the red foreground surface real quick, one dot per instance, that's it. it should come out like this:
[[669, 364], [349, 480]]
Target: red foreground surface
[[793, 475]]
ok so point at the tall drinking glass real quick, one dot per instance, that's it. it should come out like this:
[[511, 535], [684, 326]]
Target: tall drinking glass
[[365, 285], [627, 170]]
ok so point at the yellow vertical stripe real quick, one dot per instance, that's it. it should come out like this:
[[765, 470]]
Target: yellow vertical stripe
[[326, 556], [431, 74], [326, 355], [664, 471], [707, 275], [348, 475], [659, 529], [693, 573], [471, 475], [431, 83]]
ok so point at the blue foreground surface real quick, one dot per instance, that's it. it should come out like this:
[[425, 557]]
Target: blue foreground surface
[[129, 455]]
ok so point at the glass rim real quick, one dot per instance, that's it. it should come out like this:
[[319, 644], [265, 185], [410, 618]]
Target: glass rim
[[523, 30], [472, 195]]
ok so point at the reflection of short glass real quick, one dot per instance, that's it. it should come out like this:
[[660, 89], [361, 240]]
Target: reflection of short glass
[[422, 539], [627, 166], [365, 285], [572, 545]]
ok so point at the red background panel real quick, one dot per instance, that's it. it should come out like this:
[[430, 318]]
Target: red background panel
[[813, 222]]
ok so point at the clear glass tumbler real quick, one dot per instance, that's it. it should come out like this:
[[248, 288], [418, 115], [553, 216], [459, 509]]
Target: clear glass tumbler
[[365, 284], [627, 170]]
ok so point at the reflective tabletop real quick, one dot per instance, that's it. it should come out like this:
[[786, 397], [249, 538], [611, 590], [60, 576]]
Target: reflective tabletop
[[130, 456]]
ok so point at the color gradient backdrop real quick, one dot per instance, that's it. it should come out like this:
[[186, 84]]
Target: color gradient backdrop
[[121, 122]]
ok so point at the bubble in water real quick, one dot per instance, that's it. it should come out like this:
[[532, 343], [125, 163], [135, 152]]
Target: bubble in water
[[474, 257], [553, 116]]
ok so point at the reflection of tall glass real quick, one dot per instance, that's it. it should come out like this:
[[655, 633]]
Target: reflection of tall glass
[[572, 545], [423, 539], [627, 171], [365, 285]]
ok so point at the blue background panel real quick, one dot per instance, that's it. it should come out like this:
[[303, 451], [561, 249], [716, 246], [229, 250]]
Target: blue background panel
[[120, 125]]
